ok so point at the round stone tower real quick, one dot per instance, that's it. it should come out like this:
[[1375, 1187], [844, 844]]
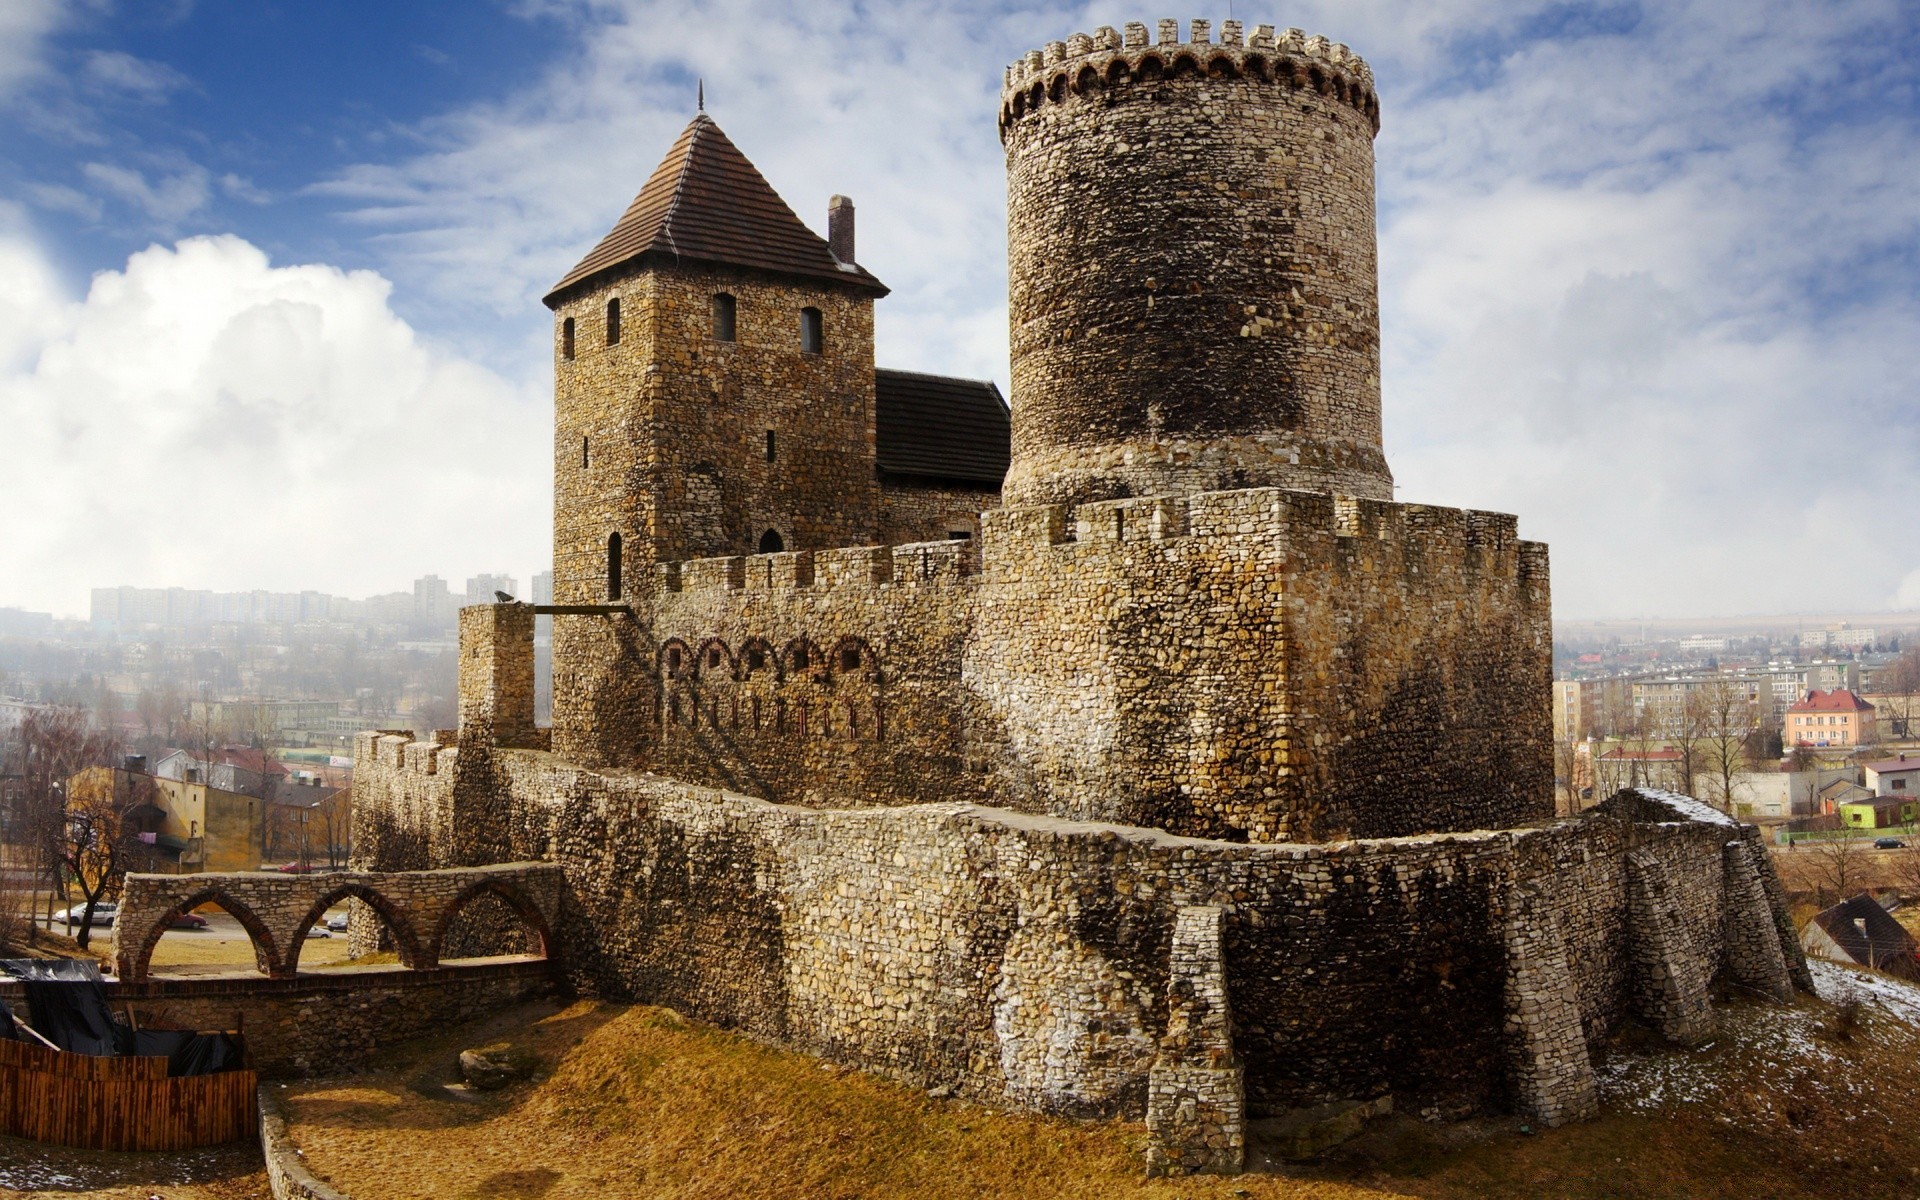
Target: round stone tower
[[1190, 247]]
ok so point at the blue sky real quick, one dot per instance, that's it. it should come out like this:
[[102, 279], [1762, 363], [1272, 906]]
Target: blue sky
[[269, 272]]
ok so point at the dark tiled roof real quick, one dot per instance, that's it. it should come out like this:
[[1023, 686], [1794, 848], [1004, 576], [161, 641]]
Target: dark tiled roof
[[707, 203], [1881, 940], [934, 427]]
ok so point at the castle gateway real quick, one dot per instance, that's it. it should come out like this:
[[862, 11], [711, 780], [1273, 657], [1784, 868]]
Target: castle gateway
[[1130, 751]]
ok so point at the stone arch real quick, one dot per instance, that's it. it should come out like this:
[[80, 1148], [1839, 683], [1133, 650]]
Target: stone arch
[[1257, 66], [802, 659], [757, 654], [405, 940], [1036, 95], [714, 661], [1317, 79], [1151, 68], [522, 905], [1087, 81], [1118, 72], [1287, 70], [1057, 90], [853, 658], [266, 953], [676, 659], [1185, 66], [1222, 66]]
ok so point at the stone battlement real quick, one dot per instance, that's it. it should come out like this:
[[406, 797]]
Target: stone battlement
[[1108, 58], [914, 563], [1420, 527]]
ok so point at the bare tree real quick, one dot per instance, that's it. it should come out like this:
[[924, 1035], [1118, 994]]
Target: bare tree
[[93, 850], [1900, 680], [1840, 866], [54, 743], [1725, 718]]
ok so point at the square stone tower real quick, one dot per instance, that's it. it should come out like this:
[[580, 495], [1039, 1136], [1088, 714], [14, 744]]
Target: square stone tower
[[714, 394]]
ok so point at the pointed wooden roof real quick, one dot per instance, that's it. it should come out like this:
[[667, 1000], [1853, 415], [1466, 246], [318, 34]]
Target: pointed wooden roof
[[707, 203]]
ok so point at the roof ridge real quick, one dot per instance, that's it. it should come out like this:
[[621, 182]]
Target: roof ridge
[[700, 124]]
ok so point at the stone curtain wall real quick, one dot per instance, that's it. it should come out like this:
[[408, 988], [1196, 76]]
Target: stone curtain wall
[[1264, 665], [1191, 266], [910, 512], [1028, 960], [277, 909]]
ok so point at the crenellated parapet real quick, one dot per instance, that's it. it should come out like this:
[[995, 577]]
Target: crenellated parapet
[[1423, 534], [914, 564], [1087, 64]]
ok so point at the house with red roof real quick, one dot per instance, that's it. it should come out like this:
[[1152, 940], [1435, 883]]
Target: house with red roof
[[1836, 718]]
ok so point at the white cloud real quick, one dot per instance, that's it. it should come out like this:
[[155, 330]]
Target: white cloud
[[24, 26], [116, 70], [168, 200], [205, 419]]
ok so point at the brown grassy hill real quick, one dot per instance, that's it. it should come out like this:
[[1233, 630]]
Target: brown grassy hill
[[637, 1102]]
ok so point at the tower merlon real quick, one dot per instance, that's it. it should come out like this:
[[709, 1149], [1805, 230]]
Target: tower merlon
[[1060, 67]]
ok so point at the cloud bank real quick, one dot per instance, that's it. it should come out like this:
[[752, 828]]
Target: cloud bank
[[203, 418]]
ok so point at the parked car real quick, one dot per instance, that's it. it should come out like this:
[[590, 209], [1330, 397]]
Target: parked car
[[103, 914], [337, 922], [186, 921], [1888, 844], [317, 930]]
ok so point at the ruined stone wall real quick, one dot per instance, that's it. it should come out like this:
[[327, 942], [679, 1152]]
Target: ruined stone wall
[[915, 512], [1026, 959], [1191, 266]]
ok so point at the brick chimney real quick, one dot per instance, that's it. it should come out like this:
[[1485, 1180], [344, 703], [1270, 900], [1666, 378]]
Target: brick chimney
[[840, 228]]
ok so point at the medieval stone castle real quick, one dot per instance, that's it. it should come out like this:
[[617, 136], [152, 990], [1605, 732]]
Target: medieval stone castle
[[1130, 752]]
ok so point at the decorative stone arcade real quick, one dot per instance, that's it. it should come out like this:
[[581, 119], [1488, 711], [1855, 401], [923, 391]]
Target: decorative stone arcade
[[277, 910]]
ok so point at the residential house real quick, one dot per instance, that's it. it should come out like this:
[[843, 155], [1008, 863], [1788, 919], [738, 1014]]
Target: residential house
[[1836, 718], [1861, 932], [1877, 812], [180, 825], [1894, 776]]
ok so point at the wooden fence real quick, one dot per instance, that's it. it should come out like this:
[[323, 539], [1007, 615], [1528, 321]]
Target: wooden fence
[[120, 1103]]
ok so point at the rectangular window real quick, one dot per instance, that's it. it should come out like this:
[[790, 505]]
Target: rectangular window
[[566, 339], [723, 312], [810, 331], [771, 449], [613, 321]]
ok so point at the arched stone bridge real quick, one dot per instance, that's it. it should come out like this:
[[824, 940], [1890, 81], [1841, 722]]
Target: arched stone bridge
[[277, 909]]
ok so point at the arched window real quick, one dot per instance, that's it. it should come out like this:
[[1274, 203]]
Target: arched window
[[810, 331], [723, 310], [771, 542], [613, 566], [613, 321], [566, 339]]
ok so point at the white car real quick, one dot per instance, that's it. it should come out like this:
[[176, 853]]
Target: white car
[[103, 914], [317, 930]]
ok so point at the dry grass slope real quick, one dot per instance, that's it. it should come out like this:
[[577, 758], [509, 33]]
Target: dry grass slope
[[637, 1102]]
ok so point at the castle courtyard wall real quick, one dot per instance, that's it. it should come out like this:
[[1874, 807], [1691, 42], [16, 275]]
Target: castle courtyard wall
[[1025, 959]]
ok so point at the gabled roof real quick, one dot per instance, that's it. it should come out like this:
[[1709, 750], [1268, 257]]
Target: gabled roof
[[1837, 700], [935, 427], [1894, 766], [1865, 931], [707, 203]]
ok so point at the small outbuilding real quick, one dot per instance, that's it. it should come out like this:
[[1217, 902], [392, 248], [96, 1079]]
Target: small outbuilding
[[1861, 932]]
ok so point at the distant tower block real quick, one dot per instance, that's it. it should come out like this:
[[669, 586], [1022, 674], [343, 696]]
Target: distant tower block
[[1191, 264]]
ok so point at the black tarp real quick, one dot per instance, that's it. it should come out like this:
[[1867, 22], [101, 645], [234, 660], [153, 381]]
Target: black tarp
[[67, 1004], [68, 1000], [7, 1031], [189, 1053]]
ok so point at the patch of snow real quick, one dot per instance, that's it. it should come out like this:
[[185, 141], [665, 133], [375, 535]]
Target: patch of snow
[[1687, 807], [1835, 983]]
